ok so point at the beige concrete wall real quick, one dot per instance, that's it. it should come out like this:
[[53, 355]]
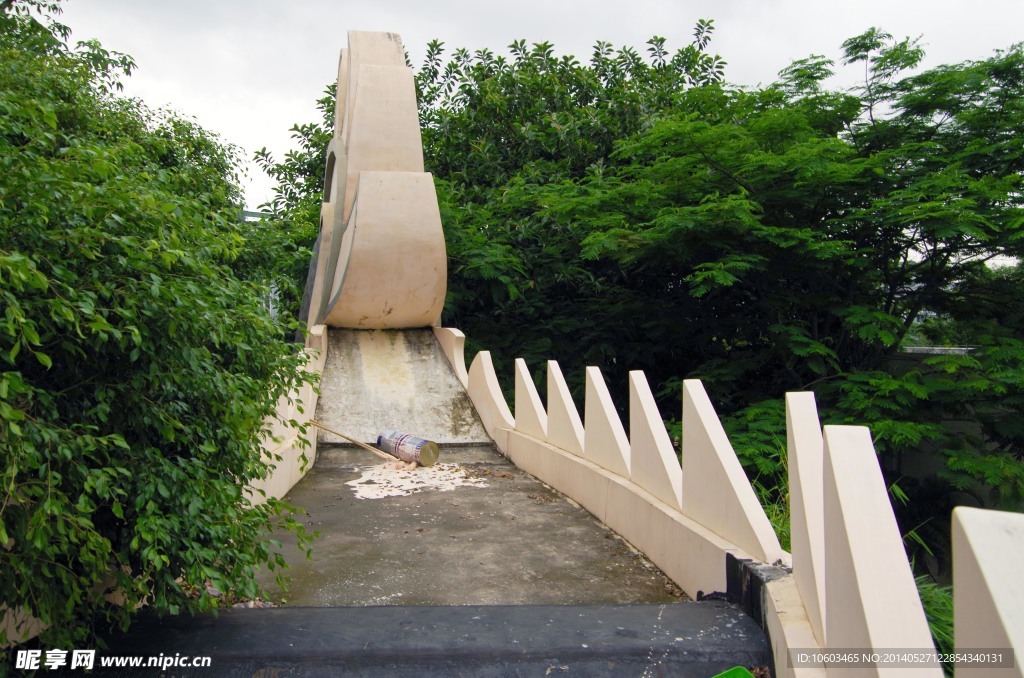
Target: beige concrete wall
[[17, 626], [290, 452], [789, 628]]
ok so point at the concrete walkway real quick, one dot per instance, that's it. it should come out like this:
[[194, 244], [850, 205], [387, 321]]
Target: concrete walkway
[[479, 571], [468, 568], [472, 530]]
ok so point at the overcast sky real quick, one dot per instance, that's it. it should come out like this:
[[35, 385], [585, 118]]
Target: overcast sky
[[250, 69]]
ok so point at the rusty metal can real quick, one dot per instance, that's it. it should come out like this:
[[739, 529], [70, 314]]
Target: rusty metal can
[[408, 447]]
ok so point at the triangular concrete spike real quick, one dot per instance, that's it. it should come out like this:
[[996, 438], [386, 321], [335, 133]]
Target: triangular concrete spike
[[485, 392], [655, 466], [872, 597], [988, 592], [565, 430], [805, 455], [453, 344], [604, 439], [716, 492], [530, 416]]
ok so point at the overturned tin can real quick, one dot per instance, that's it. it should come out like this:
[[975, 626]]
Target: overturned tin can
[[408, 447]]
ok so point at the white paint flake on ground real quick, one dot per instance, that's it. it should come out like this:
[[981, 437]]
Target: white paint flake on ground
[[381, 481]]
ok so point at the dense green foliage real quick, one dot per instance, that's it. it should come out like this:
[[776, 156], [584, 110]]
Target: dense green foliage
[[137, 365], [635, 212], [938, 607], [642, 215], [294, 210]]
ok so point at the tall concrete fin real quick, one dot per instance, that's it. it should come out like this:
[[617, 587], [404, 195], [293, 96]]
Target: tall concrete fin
[[805, 453], [988, 591], [315, 287], [655, 466], [453, 343], [716, 492], [485, 392], [872, 597], [382, 261], [604, 440], [391, 279], [530, 416], [565, 429]]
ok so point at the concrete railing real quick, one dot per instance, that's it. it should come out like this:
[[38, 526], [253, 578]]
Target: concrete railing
[[847, 584], [290, 452]]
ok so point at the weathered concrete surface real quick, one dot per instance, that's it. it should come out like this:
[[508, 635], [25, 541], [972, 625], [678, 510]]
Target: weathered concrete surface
[[513, 542], [683, 640], [510, 579], [394, 379]]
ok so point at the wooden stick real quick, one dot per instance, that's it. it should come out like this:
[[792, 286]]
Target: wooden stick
[[382, 455]]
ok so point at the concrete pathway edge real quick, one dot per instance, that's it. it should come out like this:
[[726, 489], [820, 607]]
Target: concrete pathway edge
[[678, 639]]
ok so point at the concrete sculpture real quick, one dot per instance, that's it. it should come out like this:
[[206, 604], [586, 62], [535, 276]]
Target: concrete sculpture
[[381, 260]]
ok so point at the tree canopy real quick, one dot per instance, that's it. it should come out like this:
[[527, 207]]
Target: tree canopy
[[643, 214], [638, 212], [137, 363]]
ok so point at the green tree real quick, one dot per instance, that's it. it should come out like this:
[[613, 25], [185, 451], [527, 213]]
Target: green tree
[[782, 238], [636, 212], [289, 234], [136, 367], [498, 132]]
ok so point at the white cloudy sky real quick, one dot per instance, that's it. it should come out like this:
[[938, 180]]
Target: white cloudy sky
[[250, 69]]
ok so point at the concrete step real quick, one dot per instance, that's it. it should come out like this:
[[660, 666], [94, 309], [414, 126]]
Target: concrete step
[[677, 639]]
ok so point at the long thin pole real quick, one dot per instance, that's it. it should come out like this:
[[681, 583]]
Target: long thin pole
[[382, 455]]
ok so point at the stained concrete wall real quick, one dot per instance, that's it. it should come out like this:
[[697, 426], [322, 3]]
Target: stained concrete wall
[[394, 379]]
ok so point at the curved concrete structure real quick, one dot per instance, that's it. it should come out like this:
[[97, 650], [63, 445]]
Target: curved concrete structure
[[382, 262]]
